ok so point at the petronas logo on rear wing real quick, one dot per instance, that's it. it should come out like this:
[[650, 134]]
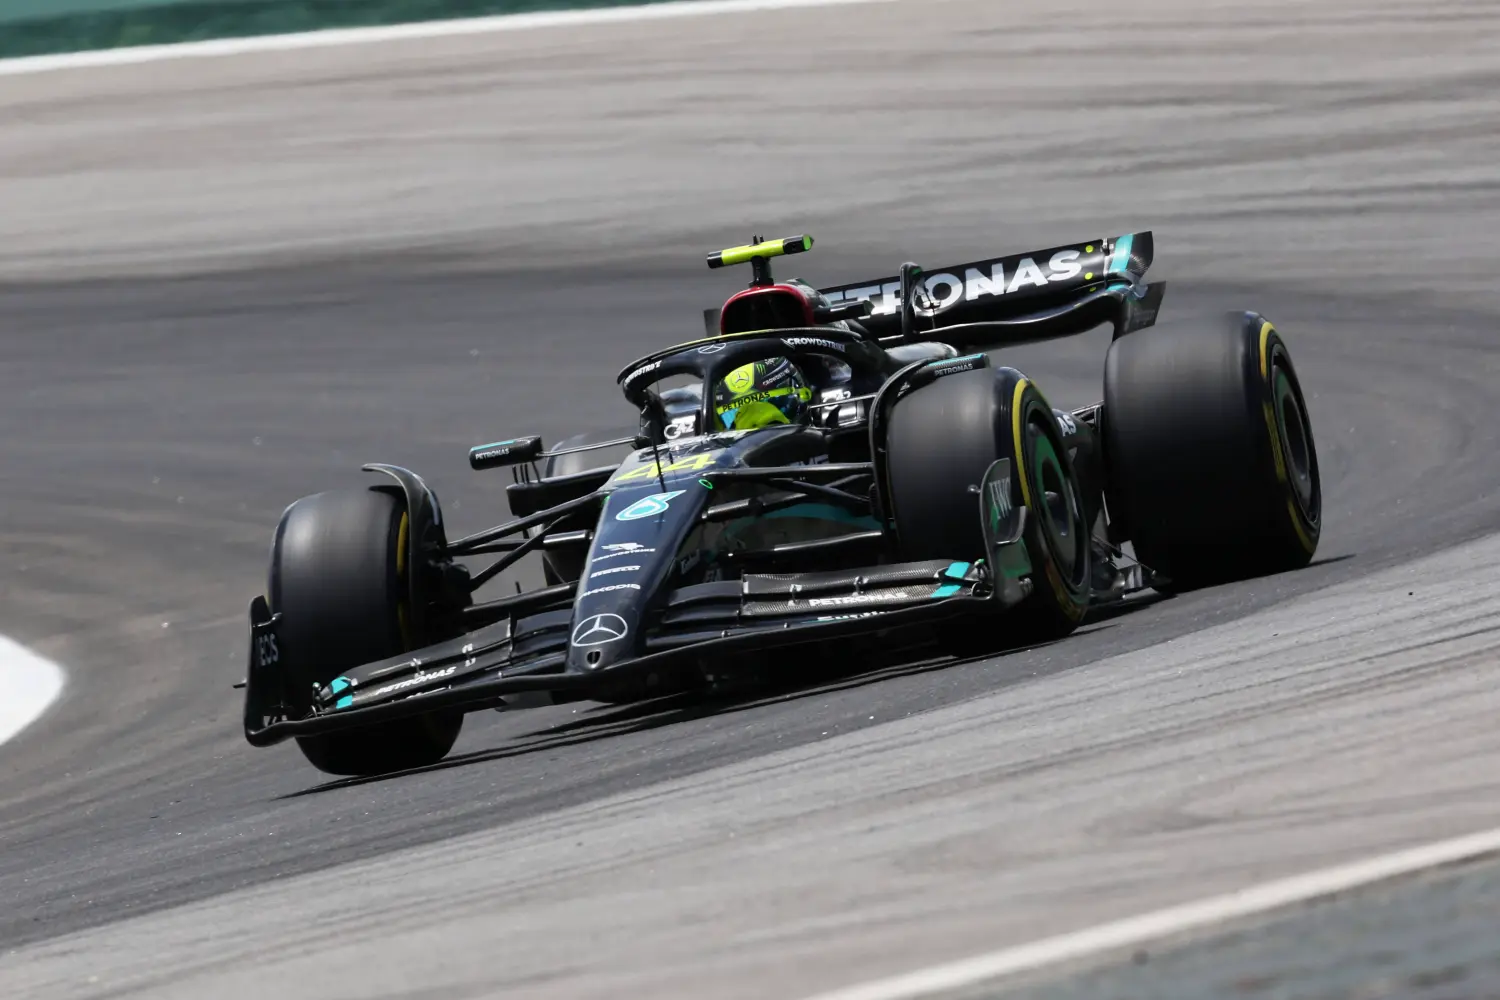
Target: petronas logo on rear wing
[[1057, 270]]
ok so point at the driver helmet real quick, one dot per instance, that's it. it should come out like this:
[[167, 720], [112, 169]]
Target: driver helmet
[[766, 392]]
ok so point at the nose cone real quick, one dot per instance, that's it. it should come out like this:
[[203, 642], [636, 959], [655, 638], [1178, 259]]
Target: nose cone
[[651, 509], [599, 639], [634, 541]]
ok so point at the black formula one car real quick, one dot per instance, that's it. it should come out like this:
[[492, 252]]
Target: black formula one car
[[896, 483]]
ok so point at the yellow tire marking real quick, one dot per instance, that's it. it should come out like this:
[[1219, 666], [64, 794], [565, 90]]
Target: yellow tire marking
[[1069, 607], [403, 617], [1265, 376], [1266, 329], [1015, 423], [401, 539]]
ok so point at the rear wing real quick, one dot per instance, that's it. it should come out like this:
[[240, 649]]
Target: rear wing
[[1043, 284]]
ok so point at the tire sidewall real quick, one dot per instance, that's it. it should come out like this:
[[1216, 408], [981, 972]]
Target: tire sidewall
[[344, 604], [1057, 535], [314, 654], [1298, 509], [975, 418], [1197, 450]]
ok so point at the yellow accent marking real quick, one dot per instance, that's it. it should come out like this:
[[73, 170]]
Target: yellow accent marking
[[770, 248], [1088, 276], [1069, 607], [1089, 248], [1015, 423], [745, 399], [401, 539], [1266, 329], [741, 380], [693, 463], [1265, 376], [403, 616], [753, 416]]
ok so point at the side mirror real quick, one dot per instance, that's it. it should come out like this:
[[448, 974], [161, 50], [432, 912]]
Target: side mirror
[[517, 451]]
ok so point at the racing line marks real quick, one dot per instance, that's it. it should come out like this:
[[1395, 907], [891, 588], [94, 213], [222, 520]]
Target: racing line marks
[[330, 37], [1133, 931], [28, 685]]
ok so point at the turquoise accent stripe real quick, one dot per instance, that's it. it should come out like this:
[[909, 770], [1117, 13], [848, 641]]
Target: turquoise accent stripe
[[953, 361], [1120, 262], [494, 444], [956, 571], [338, 684], [344, 702], [947, 590]]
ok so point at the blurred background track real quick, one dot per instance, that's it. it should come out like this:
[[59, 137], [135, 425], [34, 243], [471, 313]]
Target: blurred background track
[[227, 283]]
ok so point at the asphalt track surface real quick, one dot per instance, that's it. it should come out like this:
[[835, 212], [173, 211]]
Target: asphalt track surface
[[229, 283], [1427, 938]]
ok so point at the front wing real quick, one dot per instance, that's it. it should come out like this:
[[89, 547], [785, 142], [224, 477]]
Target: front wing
[[528, 654]]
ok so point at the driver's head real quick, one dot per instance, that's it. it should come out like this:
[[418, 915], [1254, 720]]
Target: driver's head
[[766, 392]]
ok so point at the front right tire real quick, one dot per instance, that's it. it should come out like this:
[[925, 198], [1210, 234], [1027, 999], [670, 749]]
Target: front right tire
[[339, 580], [940, 440]]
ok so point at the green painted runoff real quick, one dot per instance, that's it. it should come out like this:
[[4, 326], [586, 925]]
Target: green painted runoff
[[39, 27]]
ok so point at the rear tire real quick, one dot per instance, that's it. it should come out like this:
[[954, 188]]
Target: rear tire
[[1213, 473], [338, 579], [940, 441]]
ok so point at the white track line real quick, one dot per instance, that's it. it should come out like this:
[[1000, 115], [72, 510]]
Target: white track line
[[1148, 927], [28, 684], [401, 32]]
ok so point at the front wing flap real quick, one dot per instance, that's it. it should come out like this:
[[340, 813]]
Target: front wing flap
[[480, 668]]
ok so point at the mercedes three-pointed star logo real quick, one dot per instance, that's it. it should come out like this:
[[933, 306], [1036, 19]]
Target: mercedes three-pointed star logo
[[596, 630]]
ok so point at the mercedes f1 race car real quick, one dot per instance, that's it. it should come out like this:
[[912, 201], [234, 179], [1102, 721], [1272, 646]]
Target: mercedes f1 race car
[[842, 468]]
